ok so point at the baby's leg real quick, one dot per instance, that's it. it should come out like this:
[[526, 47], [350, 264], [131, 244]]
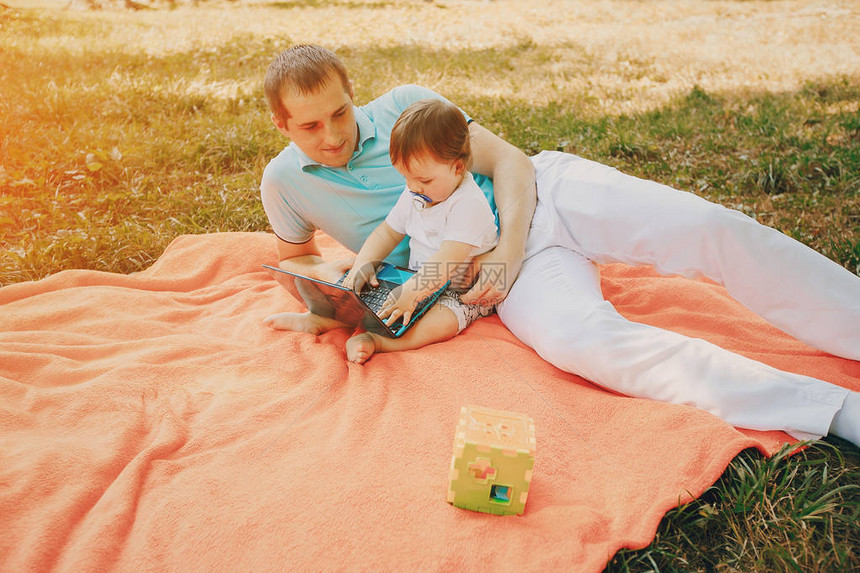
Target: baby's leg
[[437, 325]]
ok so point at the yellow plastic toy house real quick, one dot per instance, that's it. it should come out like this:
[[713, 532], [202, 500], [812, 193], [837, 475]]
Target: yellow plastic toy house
[[494, 453]]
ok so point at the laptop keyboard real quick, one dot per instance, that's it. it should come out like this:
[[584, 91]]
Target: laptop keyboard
[[374, 297]]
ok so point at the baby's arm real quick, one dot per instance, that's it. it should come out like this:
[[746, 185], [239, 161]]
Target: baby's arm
[[378, 245], [437, 270]]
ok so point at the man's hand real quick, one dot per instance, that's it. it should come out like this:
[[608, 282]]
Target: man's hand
[[495, 273], [331, 271], [306, 259]]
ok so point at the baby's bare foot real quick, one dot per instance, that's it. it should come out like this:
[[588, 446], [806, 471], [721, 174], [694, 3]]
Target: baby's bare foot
[[360, 347]]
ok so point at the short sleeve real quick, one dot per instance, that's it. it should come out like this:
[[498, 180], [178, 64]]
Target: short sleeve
[[397, 217], [286, 221], [471, 220]]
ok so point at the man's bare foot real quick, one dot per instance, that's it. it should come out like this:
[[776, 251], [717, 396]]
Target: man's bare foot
[[360, 348], [301, 322]]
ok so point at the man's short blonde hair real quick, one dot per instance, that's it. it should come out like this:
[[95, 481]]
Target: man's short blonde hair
[[433, 127], [303, 70]]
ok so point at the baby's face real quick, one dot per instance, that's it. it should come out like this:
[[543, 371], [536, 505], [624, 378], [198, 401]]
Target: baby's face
[[427, 176]]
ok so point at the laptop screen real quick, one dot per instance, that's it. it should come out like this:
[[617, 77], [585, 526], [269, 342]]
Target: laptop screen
[[345, 306], [327, 300]]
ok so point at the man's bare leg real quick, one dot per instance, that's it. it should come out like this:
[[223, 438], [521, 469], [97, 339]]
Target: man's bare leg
[[302, 322], [437, 325]]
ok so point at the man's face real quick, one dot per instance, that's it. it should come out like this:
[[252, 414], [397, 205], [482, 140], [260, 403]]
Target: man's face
[[322, 124]]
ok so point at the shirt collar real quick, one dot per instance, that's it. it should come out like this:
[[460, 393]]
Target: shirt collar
[[366, 131]]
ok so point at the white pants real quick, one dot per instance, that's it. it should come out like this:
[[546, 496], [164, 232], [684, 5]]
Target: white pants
[[589, 213]]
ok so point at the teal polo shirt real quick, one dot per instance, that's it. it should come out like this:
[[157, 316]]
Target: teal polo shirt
[[301, 196]]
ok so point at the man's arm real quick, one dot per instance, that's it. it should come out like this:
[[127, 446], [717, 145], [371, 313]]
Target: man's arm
[[306, 259], [516, 196]]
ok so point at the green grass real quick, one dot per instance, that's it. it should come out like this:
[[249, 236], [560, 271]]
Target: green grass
[[105, 163], [791, 160], [797, 513], [109, 153]]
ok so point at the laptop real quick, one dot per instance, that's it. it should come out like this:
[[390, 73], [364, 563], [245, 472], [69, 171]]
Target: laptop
[[332, 300]]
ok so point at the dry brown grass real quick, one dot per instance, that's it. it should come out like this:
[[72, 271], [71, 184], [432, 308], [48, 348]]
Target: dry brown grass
[[166, 79], [629, 55]]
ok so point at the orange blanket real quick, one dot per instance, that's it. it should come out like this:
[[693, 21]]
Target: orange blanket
[[153, 422]]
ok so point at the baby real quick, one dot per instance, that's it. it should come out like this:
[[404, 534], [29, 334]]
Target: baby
[[448, 220]]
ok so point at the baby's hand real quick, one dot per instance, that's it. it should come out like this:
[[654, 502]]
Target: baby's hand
[[360, 275], [401, 302]]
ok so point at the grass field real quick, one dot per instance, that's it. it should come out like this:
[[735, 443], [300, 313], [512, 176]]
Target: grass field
[[120, 130]]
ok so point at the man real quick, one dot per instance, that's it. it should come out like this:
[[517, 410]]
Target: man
[[559, 215]]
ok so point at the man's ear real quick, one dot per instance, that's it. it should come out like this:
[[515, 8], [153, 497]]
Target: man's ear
[[280, 125]]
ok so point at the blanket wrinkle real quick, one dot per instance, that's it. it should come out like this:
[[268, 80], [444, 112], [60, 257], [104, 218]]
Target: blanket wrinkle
[[113, 514], [153, 422]]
